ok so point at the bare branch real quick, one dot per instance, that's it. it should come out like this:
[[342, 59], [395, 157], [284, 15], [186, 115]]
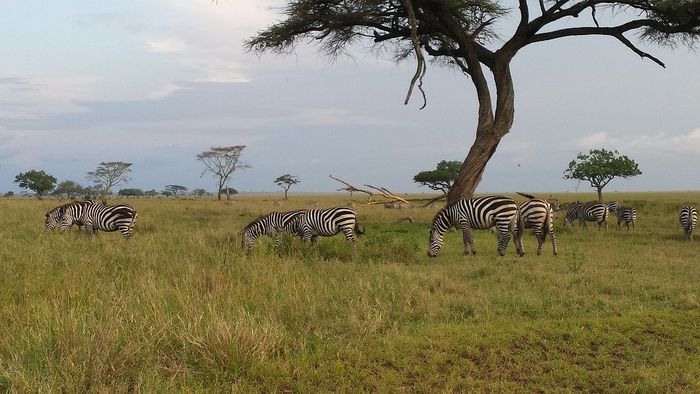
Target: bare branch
[[638, 51], [420, 59]]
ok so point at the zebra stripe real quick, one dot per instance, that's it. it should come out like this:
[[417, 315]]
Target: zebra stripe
[[613, 206], [627, 216], [72, 210], [109, 218], [589, 212], [538, 215], [326, 223], [478, 213], [270, 225], [688, 219]]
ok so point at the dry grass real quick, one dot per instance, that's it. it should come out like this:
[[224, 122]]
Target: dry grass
[[180, 307]]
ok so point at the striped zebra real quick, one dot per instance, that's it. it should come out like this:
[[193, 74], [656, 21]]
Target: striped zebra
[[478, 213], [54, 217], [270, 225], [627, 216], [613, 206], [688, 219], [587, 212], [106, 218], [538, 215], [326, 223]]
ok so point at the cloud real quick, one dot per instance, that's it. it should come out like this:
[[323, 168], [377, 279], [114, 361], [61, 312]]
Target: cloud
[[661, 142], [335, 116], [169, 46]]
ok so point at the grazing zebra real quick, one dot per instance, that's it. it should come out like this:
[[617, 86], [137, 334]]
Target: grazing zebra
[[688, 219], [326, 223], [75, 208], [613, 206], [478, 213], [270, 225], [587, 212], [538, 215], [106, 218], [627, 216]]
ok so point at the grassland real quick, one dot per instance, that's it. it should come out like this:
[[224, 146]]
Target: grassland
[[180, 308]]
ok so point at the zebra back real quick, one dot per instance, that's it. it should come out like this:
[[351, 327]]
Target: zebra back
[[688, 220], [109, 218]]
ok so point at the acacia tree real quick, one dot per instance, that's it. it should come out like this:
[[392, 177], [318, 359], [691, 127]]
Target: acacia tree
[[70, 189], [37, 181], [109, 174], [221, 162], [440, 178], [286, 181], [175, 189], [601, 166], [461, 34]]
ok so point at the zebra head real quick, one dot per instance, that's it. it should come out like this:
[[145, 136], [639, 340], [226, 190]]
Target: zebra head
[[441, 223], [250, 233], [572, 213], [52, 218]]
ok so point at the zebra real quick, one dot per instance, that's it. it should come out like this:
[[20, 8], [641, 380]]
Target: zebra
[[54, 216], [688, 219], [269, 225], [538, 214], [587, 212], [613, 206], [478, 213], [627, 216], [326, 223], [106, 218]]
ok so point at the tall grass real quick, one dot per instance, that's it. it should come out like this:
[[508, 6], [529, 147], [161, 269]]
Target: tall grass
[[180, 307]]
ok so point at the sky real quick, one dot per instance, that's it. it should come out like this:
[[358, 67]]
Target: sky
[[155, 82]]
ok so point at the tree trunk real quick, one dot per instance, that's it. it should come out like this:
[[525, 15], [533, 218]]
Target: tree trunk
[[600, 193], [491, 127], [285, 193]]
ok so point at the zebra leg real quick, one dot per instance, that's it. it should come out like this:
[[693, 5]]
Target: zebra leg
[[467, 239], [540, 241], [518, 241], [503, 239], [349, 236], [554, 242]]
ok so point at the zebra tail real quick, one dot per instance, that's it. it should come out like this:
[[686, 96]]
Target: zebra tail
[[547, 223], [358, 229]]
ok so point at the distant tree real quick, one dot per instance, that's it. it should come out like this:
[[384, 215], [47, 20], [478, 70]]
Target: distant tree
[[599, 167], [70, 189], [131, 192], [221, 162], [109, 174], [230, 191], [175, 189], [166, 193], [442, 178], [36, 181], [286, 181], [151, 193], [199, 192], [9, 194]]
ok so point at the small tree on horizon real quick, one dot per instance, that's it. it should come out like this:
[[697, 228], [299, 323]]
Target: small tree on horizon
[[221, 162], [599, 167], [70, 189], [442, 178], [109, 174], [286, 181], [175, 189], [37, 181]]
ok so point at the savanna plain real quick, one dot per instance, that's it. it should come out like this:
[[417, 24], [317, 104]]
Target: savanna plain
[[180, 307]]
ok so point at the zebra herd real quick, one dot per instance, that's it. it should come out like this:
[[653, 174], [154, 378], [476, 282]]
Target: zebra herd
[[93, 217], [508, 218]]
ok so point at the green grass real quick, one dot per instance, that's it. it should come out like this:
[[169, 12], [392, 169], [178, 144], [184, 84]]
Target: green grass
[[180, 307]]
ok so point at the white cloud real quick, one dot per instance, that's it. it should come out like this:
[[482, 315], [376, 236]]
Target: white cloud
[[661, 142], [168, 46], [335, 116]]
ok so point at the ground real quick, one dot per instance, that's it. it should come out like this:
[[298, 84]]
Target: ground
[[180, 307]]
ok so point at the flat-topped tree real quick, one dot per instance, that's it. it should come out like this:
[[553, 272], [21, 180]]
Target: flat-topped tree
[[221, 162], [286, 181], [460, 33], [109, 174], [175, 189], [599, 167]]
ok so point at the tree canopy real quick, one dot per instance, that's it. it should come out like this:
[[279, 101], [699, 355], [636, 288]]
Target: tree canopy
[[109, 174], [37, 181], [599, 167], [175, 189], [70, 189], [464, 34], [441, 178], [221, 162], [286, 181]]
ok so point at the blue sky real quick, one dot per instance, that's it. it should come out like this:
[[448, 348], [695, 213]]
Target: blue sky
[[155, 82]]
